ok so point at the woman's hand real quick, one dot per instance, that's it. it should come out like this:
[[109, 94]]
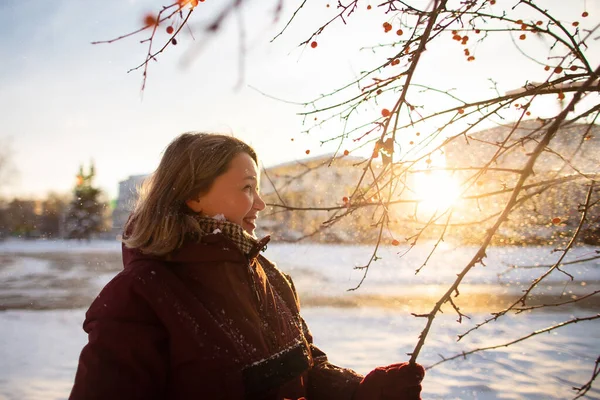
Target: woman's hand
[[395, 382]]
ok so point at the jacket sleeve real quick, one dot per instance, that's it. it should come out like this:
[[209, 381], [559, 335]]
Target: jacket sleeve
[[325, 380], [126, 355]]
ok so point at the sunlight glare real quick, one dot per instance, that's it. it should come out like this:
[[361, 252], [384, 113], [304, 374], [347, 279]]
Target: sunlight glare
[[437, 190]]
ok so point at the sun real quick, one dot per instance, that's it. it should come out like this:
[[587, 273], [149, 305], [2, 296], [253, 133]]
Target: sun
[[436, 190]]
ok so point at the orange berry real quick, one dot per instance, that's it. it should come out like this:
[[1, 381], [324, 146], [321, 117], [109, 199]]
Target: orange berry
[[471, 58], [519, 22], [379, 91], [457, 38], [575, 23], [169, 29], [539, 23], [313, 45], [399, 32], [454, 32], [461, 111], [411, 142], [428, 161], [395, 61], [387, 27], [369, 7], [556, 220], [386, 113], [418, 134], [523, 37], [523, 27], [492, 2], [585, 14], [573, 68], [150, 20], [345, 199], [395, 242], [561, 95], [307, 151], [346, 152], [558, 70], [528, 113], [183, 3], [547, 68]]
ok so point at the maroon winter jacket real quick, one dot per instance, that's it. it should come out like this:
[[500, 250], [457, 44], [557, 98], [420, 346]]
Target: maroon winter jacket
[[205, 322]]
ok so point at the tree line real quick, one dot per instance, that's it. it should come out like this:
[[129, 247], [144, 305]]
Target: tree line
[[83, 214]]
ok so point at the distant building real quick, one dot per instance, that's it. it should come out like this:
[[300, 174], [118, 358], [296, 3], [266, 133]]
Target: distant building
[[317, 182], [128, 194], [550, 194]]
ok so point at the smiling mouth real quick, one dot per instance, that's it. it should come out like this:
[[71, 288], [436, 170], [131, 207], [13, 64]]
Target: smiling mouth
[[250, 221]]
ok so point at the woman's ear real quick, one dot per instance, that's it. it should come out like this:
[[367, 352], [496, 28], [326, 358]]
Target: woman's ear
[[194, 205]]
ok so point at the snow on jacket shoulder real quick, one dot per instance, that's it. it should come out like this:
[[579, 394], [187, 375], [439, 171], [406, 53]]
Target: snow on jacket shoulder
[[206, 322]]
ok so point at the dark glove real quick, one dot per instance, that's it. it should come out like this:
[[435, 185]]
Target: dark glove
[[395, 382]]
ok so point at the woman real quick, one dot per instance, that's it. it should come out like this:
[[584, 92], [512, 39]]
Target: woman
[[197, 312]]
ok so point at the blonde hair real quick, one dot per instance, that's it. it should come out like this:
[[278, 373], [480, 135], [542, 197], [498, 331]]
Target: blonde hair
[[188, 168]]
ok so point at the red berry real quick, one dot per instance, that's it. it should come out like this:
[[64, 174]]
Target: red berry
[[556, 220], [169, 29], [313, 45], [150, 20], [385, 112], [585, 14]]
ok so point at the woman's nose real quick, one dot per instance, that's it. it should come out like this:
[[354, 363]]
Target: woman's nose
[[259, 204]]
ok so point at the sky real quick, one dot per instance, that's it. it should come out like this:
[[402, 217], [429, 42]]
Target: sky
[[65, 102]]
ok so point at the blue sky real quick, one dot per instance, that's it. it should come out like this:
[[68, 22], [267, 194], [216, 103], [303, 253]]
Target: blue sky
[[64, 101]]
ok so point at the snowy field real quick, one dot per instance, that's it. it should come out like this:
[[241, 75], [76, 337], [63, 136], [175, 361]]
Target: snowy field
[[46, 286]]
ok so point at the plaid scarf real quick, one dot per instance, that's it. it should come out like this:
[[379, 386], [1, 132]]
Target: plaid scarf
[[242, 239]]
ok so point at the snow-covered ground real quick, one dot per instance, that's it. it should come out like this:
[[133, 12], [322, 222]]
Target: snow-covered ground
[[46, 286]]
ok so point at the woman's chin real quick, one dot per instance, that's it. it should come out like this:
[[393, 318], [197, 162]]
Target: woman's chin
[[249, 228]]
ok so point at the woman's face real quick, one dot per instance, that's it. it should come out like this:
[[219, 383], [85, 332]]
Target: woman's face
[[234, 194]]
